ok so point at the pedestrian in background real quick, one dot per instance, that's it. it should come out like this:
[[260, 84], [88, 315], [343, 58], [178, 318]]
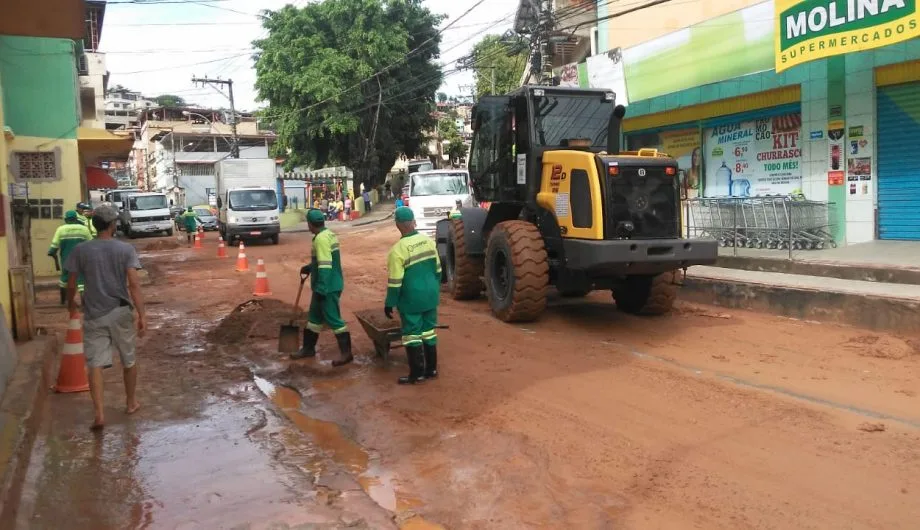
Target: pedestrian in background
[[190, 222], [327, 283], [414, 288], [367, 201], [112, 294], [66, 238], [347, 207]]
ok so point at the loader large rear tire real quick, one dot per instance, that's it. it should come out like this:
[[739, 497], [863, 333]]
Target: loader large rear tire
[[464, 272], [647, 295], [517, 271]]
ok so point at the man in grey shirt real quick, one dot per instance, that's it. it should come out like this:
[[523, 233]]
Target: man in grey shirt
[[111, 294]]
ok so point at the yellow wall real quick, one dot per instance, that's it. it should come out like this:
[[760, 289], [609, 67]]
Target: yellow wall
[[68, 188], [4, 241], [653, 22]]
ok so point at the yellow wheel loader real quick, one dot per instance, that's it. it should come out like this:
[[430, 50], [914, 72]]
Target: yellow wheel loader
[[567, 209]]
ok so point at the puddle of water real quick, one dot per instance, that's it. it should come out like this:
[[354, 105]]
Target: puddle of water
[[378, 483]]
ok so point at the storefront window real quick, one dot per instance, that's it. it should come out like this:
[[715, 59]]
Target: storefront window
[[754, 158]]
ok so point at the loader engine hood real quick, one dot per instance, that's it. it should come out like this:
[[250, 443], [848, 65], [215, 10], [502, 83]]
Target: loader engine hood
[[642, 197]]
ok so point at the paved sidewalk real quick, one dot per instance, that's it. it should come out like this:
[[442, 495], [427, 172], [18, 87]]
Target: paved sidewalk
[[816, 283], [379, 213]]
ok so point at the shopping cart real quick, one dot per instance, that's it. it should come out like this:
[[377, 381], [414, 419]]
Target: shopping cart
[[777, 222]]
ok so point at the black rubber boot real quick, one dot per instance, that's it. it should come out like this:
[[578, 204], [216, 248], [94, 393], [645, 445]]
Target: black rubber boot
[[344, 340], [309, 345], [63, 295], [431, 361], [416, 358]]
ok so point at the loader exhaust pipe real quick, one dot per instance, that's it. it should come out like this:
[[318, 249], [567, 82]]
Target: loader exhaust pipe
[[613, 129]]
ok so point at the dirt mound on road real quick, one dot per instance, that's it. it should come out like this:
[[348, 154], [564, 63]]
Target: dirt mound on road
[[162, 244], [882, 347], [258, 319]]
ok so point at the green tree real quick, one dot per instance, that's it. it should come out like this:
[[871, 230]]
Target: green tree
[[342, 86], [170, 100], [490, 56], [442, 97]]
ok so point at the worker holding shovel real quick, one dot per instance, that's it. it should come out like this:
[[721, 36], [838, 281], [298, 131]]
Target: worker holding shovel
[[414, 288], [326, 282]]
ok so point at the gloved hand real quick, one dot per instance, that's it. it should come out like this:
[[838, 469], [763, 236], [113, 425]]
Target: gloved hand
[[52, 253], [388, 311], [305, 270]]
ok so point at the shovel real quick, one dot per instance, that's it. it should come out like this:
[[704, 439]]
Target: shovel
[[289, 336]]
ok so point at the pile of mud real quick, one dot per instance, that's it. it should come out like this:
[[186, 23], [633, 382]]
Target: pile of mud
[[162, 244], [882, 347], [255, 319]]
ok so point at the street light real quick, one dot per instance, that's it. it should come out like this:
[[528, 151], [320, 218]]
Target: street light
[[234, 144]]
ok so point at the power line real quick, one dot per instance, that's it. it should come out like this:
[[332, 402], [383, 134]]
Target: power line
[[173, 67]]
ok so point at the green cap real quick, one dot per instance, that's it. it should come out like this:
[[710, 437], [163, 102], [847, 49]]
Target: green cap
[[315, 217], [70, 215], [404, 214]]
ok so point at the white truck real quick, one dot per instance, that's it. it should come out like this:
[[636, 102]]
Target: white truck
[[433, 194], [145, 213], [247, 200]]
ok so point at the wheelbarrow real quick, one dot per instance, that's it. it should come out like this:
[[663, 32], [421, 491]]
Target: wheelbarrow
[[382, 331]]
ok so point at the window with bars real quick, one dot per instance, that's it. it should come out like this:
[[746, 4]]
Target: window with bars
[[36, 166], [42, 208]]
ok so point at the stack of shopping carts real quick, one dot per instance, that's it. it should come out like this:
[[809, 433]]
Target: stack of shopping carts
[[778, 222]]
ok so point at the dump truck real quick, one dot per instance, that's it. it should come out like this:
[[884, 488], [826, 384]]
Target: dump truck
[[567, 209]]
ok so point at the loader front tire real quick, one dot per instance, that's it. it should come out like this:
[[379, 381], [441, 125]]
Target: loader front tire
[[464, 272], [516, 271], [647, 295]]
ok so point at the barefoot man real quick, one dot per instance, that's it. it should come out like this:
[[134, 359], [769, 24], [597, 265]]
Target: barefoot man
[[111, 294]]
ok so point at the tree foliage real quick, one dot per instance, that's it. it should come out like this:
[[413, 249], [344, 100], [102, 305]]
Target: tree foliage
[[324, 68], [447, 130], [170, 100], [492, 55]]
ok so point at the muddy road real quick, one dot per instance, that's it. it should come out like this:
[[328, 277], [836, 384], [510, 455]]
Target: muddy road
[[589, 418]]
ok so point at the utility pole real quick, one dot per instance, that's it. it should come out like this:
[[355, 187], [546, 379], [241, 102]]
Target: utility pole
[[235, 147], [545, 29]]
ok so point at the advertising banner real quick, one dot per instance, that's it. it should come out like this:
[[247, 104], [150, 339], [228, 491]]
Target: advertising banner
[[684, 146], [605, 70], [807, 30], [568, 75], [728, 46], [751, 158]]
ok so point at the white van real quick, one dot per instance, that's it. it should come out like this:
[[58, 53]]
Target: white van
[[146, 213], [433, 194]]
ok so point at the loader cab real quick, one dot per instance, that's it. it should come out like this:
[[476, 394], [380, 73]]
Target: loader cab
[[512, 132]]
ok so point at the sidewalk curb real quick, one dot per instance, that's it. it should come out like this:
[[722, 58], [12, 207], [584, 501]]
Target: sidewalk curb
[[828, 269], [20, 418], [871, 312]]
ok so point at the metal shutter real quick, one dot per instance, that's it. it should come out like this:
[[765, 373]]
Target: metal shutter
[[899, 162]]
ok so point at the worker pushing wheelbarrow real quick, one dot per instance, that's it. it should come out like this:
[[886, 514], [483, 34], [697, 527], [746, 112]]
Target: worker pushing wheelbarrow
[[413, 289]]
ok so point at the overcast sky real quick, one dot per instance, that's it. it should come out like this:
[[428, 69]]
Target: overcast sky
[[150, 50]]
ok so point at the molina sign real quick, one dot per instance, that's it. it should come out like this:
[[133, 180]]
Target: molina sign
[[814, 29]]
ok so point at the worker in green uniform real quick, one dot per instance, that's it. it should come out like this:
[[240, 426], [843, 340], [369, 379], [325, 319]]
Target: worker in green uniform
[[190, 221], [326, 282], [85, 215], [66, 237], [413, 287]]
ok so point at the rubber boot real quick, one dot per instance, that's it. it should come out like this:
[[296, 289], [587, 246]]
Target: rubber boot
[[309, 345], [344, 340], [63, 295], [431, 361], [416, 358]]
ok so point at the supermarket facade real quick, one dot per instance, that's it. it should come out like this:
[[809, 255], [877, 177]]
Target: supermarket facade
[[813, 97]]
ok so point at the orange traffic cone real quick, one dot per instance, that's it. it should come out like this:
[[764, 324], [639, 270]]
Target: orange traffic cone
[[261, 288], [201, 232], [221, 249], [242, 264], [72, 374], [198, 241]]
